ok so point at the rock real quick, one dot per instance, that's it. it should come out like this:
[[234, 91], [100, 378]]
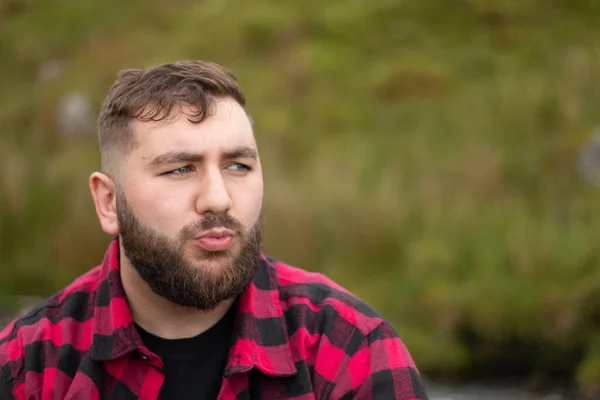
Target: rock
[[487, 391], [50, 70], [588, 161], [75, 115]]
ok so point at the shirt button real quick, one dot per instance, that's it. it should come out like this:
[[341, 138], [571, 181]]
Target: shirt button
[[145, 358]]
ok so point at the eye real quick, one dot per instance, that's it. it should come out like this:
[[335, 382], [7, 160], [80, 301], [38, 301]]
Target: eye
[[239, 167], [180, 171]]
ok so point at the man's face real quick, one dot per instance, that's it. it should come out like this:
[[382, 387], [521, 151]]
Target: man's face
[[189, 206]]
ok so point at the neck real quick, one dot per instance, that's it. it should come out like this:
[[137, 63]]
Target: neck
[[160, 316]]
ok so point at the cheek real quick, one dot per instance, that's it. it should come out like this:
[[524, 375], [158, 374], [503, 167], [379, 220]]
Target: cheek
[[159, 211], [247, 203]]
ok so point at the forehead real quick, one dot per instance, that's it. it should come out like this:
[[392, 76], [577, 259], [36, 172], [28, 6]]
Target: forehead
[[226, 126]]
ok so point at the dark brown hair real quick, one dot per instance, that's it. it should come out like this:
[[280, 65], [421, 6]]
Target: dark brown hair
[[152, 94]]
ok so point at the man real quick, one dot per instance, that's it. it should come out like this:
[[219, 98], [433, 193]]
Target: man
[[185, 305]]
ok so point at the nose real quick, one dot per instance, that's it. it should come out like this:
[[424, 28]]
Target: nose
[[214, 196]]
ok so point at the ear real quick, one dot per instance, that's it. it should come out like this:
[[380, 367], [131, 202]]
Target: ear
[[104, 195]]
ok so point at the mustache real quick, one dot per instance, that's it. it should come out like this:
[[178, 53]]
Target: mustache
[[212, 221]]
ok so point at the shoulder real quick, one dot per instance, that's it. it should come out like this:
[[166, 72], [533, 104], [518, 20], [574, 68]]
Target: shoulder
[[314, 298], [334, 331], [58, 321]]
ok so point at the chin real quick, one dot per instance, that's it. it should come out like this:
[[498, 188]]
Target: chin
[[212, 260]]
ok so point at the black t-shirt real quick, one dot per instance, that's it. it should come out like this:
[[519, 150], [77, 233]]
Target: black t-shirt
[[193, 367]]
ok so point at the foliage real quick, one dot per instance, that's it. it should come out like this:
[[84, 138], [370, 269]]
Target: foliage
[[420, 153]]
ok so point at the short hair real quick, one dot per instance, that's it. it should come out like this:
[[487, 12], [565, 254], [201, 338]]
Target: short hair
[[151, 95]]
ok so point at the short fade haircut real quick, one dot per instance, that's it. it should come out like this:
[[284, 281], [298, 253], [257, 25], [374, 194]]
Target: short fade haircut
[[151, 95]]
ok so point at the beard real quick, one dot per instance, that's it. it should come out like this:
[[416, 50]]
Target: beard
[[161, 261]]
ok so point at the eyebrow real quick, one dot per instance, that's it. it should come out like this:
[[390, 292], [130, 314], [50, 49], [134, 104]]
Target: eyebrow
[[241, 152], [175, 157]]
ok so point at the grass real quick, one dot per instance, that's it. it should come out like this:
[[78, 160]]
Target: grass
[[423, 154]]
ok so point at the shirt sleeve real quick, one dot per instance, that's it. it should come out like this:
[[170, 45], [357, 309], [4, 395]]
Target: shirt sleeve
[[5, 387], [379, 367], [5, 390]]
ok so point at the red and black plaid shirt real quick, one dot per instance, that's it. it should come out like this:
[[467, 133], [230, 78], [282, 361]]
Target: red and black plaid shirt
[[298, 335]]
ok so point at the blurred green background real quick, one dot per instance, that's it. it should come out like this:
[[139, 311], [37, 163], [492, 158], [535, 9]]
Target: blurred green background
[[435, 157]]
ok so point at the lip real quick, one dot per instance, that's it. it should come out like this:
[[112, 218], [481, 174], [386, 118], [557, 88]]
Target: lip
[[215, 240], [216, 233]]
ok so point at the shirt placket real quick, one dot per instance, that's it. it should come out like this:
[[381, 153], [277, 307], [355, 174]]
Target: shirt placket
[[235, 387]]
